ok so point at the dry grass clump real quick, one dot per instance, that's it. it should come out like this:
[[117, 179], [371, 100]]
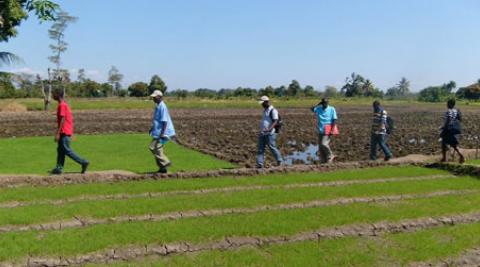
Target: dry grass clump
[[12, 107]]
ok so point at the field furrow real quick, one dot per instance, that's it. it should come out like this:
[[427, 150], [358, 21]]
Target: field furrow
[[229, 243], [38, 214], [268, 224], [86, 222], [15, 204], [426, 247]]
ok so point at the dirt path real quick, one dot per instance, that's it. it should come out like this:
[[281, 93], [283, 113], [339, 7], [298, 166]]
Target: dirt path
[[119, 176], [131, 253]]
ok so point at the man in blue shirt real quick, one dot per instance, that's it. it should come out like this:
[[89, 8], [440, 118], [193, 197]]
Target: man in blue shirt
[[162, 130], [326, 118]]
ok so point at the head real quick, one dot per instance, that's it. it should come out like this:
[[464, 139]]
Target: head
[[264, 101], [58, 95], [376, 105], [451, 103], [324, 103], [157, 96]]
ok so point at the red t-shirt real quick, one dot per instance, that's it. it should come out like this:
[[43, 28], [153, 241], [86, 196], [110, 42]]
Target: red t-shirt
[[64, 111]]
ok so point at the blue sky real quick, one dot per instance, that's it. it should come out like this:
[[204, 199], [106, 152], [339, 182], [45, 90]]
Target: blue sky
[[253, 43]]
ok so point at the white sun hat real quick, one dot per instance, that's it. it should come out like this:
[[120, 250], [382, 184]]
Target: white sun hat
[[263, 99], [156, 93]]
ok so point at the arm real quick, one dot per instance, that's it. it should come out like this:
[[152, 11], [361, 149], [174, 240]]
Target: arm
[[274, 123], [164, 128], [275, 118], [59, 129], [384, 120], [334, 121], [446, 121]]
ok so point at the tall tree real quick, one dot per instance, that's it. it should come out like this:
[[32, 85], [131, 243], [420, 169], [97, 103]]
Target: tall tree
[[353, 85], [81, 76], [368, 88], [156, 83], [13, 12], [25, 82], [294, 88], [7, 89], [138, 89], [330, 91], [403, 87], [115, 78], [57, 34], [309, 91], [450, 86]]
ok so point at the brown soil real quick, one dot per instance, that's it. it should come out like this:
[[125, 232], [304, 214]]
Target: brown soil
[[107, 177], [231, 134], [13, 107]]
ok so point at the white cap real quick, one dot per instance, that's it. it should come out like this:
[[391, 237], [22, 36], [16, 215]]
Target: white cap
[[263, 99], [156, 93]]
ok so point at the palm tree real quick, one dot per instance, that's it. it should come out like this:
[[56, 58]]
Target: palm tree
[[7, 58]]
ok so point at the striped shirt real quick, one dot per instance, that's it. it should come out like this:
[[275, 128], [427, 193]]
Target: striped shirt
[[451, 116], [379, 121]]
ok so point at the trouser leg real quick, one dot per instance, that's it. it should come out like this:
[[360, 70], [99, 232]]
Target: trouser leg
[[373, 146], [60, 154], [156, 147], [325, 142], [70, 153], [261, 150], [272, 145], [383, 146], [321, 153]]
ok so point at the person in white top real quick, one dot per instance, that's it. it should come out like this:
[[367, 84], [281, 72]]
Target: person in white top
[[268, 135]]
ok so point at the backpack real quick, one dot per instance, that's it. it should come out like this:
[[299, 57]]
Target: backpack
[[454, 126], [390, 125], [279, 125]]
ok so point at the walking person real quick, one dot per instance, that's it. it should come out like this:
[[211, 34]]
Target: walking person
[[326, 117], [451, 131], [162, 131], [268, 133], [64, 135], [379, 132]]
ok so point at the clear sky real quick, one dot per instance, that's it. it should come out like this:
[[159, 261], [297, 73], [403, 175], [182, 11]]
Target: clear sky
[[253, 43]]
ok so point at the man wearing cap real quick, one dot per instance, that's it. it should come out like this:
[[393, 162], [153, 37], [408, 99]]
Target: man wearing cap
[[162, 130], [268, 135], [326, 118]]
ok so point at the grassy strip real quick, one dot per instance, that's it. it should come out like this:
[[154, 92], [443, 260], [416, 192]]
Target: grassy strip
[[69, 242], [16, 204], [70, 191], [37, 155], [387, 250], [474, 162], [247, 199]]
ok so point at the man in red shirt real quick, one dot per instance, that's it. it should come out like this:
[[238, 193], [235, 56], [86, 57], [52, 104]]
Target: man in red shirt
[[64, 134]]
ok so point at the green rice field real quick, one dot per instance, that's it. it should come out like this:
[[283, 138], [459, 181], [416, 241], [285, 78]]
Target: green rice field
[[186, 222]]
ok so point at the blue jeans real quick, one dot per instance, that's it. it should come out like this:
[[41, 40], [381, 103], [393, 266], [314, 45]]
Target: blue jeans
[[269, 140], [379, 139], [64, 149]]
